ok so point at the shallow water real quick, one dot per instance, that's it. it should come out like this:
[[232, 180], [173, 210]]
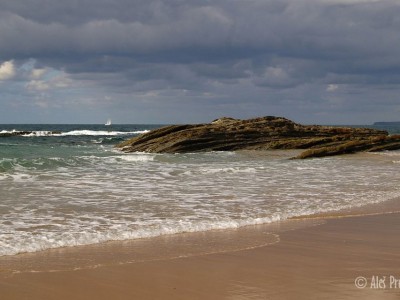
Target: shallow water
[[73, 188]]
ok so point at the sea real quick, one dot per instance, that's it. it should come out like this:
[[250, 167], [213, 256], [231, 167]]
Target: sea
[[67, 185]]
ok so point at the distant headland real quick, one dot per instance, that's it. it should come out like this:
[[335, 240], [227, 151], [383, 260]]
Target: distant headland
[[387, 123], [265, 133]]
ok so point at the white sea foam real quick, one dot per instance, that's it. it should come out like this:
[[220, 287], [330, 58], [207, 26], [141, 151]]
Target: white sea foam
[[39, 133], [9, 131], [86, 231], [135, 157], [387, 153], [92, 197], [22, 241], [101, 132], [21, 177], [82, 133]]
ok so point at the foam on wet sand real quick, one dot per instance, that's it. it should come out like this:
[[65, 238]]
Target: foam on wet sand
[[302, 259]]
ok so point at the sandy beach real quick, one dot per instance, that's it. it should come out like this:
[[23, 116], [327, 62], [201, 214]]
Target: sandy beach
[[304, 259], [196, 150]]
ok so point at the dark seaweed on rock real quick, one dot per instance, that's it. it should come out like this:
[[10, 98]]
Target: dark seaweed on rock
[[228, 134]]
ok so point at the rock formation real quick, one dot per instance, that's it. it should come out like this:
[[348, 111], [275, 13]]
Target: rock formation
[[228, 134]]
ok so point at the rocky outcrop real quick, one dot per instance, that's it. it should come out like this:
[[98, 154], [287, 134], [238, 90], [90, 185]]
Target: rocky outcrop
[[372, 144], [228, 134]]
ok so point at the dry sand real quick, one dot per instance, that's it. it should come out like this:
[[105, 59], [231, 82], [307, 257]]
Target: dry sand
[[304, 259]]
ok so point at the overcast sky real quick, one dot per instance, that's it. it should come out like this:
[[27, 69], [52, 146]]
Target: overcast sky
[[177, 61]]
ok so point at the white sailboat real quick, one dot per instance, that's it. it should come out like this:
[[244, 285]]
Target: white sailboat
[[108, 123]]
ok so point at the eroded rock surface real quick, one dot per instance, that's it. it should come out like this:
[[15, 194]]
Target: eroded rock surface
[[228, 134]]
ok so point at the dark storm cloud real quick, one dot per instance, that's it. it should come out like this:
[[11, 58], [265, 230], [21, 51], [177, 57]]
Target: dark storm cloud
[[293, 28], [274, 50]]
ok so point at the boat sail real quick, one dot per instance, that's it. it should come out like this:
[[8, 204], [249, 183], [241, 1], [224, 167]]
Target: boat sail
[[108, 123]]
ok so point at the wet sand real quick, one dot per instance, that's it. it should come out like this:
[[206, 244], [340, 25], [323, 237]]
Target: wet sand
[[308, 260]]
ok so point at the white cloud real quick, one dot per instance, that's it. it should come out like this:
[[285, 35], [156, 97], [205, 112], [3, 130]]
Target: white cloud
[[7, 70], [37, 73], [276, 73], [332, 87], [53, 80], [275, 77], [37, 85]]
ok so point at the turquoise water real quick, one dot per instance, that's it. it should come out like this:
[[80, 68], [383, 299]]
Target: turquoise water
[[74, 188]]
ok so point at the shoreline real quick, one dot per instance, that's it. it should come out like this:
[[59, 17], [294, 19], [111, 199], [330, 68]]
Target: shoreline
[[308, 258], [291, 223]]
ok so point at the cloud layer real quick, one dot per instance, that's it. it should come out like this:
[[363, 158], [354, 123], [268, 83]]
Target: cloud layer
[[330, 61], [7, 70]]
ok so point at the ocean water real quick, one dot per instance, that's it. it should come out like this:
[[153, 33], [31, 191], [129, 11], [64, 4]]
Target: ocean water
[[74, 188]]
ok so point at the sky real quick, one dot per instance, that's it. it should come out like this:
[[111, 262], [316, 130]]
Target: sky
[[177, 61]]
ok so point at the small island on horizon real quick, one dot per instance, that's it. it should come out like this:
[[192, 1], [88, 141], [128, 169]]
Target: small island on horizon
[[396, 123]]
